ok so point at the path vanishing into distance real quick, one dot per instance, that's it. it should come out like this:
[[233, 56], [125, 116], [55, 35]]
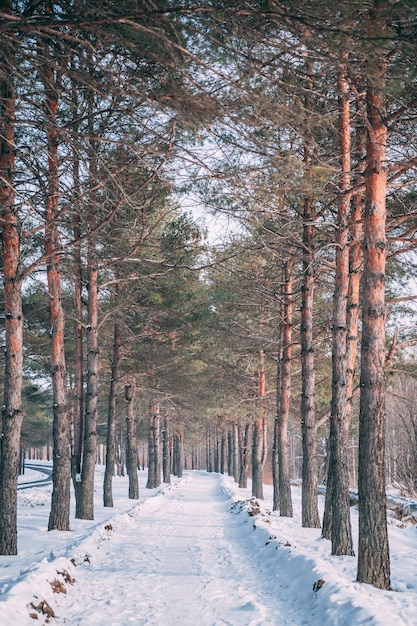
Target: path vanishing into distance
[[181, 558], [197, 552]]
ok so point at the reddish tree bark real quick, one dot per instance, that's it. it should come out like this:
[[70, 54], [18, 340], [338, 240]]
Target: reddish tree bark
[[12, 414], [355, 252], [373, 552]]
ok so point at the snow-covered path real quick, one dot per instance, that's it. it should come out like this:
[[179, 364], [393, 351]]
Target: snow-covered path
[[182, 559], [198, 552]]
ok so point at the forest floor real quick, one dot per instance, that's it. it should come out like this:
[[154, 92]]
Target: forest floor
[[198, 552]]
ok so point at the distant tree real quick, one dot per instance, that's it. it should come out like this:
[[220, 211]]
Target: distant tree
[[131, 441], [154, 448], [284, 390]]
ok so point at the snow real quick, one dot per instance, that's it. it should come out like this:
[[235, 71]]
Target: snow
[[196, 552]]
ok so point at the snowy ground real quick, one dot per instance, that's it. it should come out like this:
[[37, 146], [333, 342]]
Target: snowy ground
[[190, 554]]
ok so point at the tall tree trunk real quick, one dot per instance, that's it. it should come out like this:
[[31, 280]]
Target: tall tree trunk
[[131, 442], [78, 413], [285, 502], [355, 252], [341, 531], [61, 475], [355, 273], [309, 505], [85, 490], [275, 465], [111, 421], [275, 446], [373, 553], [309, 502], [12, 414], [258, 439]]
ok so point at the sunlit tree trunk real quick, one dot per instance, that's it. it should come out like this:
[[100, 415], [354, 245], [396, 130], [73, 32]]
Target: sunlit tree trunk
[[12, 414], [373, 553], [355, 251]]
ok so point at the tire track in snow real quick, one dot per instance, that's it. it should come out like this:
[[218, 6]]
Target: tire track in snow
[[181, 558]]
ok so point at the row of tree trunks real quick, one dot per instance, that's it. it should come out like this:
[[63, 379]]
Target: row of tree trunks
[[178, 453], [337, 494]]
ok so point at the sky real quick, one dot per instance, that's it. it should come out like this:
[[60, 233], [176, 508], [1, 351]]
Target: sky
[[190, 554]]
